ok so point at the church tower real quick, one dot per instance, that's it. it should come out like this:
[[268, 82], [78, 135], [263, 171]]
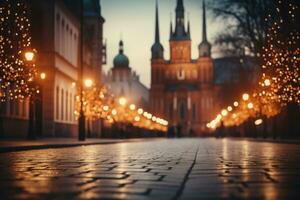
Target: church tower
[[182, 89], [204, 47], [180, 38], [157, 49]]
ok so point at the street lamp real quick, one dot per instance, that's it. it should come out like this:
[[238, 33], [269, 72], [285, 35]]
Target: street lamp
[[81, 118], [122, 101], [246, 97], [88, 83], [29, 56]]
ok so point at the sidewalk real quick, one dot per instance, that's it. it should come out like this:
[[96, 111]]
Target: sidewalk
[[269, 140], [46, 143]]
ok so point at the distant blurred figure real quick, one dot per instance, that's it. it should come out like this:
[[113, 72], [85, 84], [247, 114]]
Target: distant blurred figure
[[221, 130]]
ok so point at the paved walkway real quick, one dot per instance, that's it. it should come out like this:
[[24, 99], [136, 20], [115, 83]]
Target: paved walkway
[[46, 143], [155, 169]]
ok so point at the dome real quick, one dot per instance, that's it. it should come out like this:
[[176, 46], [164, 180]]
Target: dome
[[121, 60], [157, 51], [204, 49]]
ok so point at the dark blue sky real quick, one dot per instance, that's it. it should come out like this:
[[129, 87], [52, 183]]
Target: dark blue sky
[[134, 21]]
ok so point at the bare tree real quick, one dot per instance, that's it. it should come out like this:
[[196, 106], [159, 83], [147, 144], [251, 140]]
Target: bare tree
[[247, 25]]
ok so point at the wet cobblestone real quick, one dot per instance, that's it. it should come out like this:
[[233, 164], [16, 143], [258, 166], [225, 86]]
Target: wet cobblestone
[[161, 169]]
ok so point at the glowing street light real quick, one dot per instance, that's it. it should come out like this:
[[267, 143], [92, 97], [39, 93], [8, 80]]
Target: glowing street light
[[250, 105], [88, 83], [43, 76], [236, 104], [258, 122], [29, 56], [229, 108], [122, 101], [246, 97], [224, 112], [132, 107], [140, 111]]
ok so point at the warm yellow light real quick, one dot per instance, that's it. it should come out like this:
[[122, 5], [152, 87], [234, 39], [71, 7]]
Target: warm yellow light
[[43, 76], [122, 101], [140, 111], [73, 84], [224, 112], [29, 55], [246, 97], [236, 104], [229, 108], [137, 118], [258, 122], [105, 108], [132, 107], [114, 112], [250, 105], [88, 83], [267, 82]]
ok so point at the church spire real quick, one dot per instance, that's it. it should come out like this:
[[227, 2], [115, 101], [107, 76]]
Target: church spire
[[188, 27], [180, 31], [157, 39], [157, 49], [204, 36], [204, 47]]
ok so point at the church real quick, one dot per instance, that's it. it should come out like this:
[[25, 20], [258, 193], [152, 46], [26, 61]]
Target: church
[[183, 89]]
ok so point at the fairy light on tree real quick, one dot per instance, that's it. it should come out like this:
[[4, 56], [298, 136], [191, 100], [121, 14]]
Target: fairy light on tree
[[280, 79], [16, 55]]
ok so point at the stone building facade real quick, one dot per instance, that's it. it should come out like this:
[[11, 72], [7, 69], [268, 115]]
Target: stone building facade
[[56, 37], [122, 81], [182, 88]]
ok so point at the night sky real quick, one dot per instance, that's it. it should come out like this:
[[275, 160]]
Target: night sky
[[133, 20]]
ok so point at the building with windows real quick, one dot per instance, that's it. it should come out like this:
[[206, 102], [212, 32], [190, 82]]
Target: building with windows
[[182, 88], [122, 81], [56, 37]]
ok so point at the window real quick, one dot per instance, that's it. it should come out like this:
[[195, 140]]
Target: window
[[71, 106], [180, 74], [57, 102], [67, 106], [195, 75], [62, 105]]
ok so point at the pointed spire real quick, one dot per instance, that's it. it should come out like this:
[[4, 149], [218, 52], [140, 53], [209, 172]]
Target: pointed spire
[[157, 49], [121, 47], [171, 30], [179, 5], [157, 39], [188, 26], [204, 36]]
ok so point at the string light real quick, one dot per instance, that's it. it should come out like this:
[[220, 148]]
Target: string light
[[16, 55]]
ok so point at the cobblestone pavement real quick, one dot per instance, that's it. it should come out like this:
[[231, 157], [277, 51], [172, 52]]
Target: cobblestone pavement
[[162, 169]]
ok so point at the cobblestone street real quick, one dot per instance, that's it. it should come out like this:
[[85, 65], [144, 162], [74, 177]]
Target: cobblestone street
[[159, 169]]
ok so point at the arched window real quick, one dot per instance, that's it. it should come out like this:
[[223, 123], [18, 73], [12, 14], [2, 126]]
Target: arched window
[[180, 74]]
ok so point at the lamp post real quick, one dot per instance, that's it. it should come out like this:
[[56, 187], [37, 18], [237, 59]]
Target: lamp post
[[31, 135], [81, 118]]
